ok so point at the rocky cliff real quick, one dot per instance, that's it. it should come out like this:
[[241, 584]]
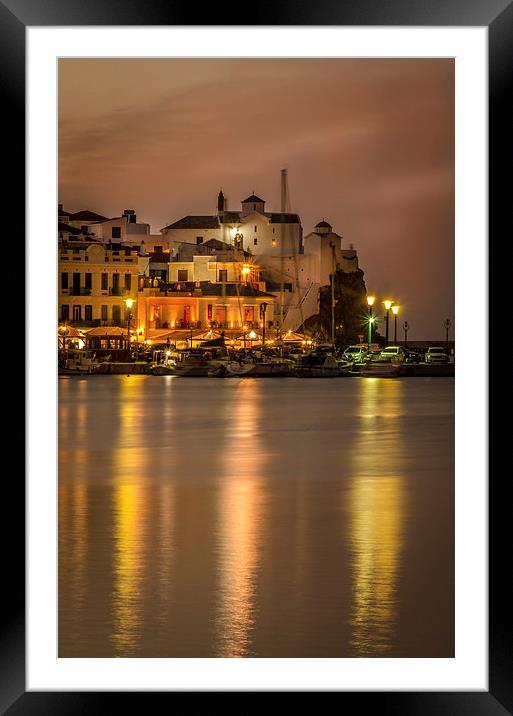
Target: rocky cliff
[[350, 311]]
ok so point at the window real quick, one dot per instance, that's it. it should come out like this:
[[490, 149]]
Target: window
[[183, 275], [158, 249], [199, 239], [128, 281], [64, 280], [223, 275], [88, 280], [105, 313], [255, 229], [77, 313], [88, 313], [105, 281], [65, 312], [116, 232], [116, 315], [255, 241]]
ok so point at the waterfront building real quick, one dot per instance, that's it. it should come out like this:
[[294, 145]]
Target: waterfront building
[[213, 285], [94, 280], [190, 274]]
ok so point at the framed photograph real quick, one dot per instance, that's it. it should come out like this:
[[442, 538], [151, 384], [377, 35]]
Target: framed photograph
[[300, 196]]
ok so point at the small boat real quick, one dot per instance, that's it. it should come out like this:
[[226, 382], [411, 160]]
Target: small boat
[[162, 369], [264, 368], [197, 363], [318, 365], [78, 362], [379, 370]]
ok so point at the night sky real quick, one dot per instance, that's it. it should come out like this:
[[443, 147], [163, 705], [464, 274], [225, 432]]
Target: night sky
[[368, 144]]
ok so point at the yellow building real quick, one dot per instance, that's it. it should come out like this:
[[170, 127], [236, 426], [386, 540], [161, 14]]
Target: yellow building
[[93, 283]]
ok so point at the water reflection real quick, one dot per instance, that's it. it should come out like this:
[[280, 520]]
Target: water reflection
[[202, 518], [240, 529], [376, 517], [127, 567], [73, 543], [129, 512]]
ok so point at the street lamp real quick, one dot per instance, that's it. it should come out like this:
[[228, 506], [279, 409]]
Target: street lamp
[[447, 325], [405, 326], [387, 303], [263, 309], [370, 303], [129, 302], [395, 311]]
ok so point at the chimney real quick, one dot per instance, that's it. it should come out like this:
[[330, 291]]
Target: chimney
[[129, 215]]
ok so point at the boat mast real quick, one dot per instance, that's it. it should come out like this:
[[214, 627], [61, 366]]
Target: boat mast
[[332, 294], [282, 243]]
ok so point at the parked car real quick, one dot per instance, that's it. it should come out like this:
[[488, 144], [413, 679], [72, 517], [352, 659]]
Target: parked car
[[436, 354], [413, 356], [355, 353], [392, 353]]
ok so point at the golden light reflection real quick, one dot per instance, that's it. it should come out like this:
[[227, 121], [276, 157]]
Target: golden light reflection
[[166, 521], [242, 507], [128, 565], [377, 515], [79, 539], [130, 520]]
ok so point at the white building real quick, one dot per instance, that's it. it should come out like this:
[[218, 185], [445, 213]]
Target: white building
[[252, 229], [292, 268]]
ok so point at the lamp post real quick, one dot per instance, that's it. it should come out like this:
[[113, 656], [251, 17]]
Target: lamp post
[[395, 311], [387, 303], [405, 326], [370, 303], [447, 325], [129, 302], [64, 329], [263, 309]]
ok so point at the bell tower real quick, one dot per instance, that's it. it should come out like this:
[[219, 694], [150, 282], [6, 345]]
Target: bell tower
[[221, 203]]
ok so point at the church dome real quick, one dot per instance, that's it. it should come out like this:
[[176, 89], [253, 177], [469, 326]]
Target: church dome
[[323, 227]]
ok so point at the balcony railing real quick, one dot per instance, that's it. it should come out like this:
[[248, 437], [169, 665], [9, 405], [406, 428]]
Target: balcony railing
[[75, 291], [119, 291]]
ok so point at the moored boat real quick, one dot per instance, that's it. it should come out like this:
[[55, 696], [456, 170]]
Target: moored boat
[[318, 365], [265, 368], [379, 370], [198, 363], [78, 362]]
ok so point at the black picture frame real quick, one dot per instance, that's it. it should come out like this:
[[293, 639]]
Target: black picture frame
[[497, 15]]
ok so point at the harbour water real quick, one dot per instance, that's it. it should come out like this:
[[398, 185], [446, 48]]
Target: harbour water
[[201, 517]]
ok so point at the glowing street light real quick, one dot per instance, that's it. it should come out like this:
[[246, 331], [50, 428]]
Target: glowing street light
[[395, 311], [370, 303], [387, 303], [129, 302]]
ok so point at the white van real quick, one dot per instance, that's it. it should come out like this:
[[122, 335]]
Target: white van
[[355, 353], [397, 354]]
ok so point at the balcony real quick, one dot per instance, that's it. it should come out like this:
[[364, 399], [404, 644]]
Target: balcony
[[119, 291], [75, 291]]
